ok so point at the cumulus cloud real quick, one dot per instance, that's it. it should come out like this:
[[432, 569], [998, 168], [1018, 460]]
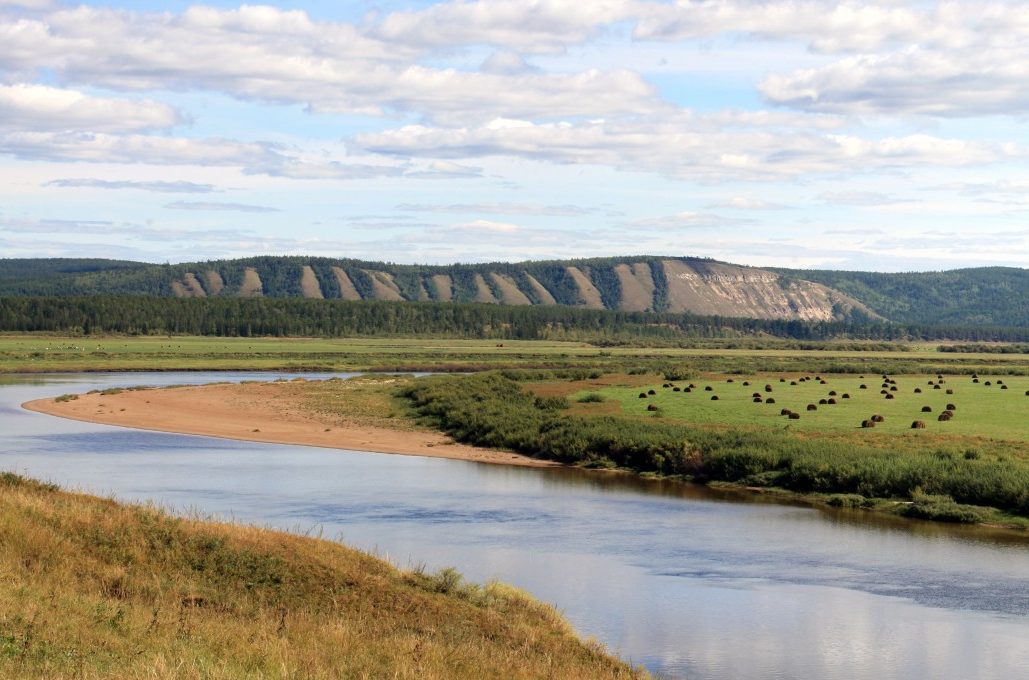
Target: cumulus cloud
[[684, 146], [41, 107], [527, 25], [174, 187], [272, 55]]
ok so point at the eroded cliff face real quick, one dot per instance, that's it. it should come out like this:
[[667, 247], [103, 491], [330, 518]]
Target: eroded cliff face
[[663, 285]]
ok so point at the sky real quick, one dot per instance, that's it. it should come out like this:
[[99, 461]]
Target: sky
[[884, 136]]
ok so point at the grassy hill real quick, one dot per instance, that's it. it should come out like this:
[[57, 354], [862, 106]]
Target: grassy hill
[[95, 589], [987, 296]]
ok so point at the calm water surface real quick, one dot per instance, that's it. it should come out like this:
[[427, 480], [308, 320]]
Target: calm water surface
[[689, 582]]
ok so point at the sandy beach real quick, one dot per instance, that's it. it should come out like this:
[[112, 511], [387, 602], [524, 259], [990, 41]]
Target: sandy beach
[[261, 412]]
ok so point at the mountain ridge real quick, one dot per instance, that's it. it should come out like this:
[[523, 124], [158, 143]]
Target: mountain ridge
[[978, 296]]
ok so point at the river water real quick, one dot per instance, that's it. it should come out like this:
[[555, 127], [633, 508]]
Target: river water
[[689, 582]]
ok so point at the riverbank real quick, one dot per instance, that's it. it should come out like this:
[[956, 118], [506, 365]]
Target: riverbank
[[94, 588], [270, 412]]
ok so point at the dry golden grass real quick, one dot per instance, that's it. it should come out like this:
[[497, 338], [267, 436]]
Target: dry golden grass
[[90, 588]]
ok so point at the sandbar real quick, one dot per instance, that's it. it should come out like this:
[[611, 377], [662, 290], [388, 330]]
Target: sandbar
[[261, 412]]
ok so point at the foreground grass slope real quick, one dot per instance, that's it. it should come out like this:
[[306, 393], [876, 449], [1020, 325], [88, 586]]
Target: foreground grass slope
[[90, 588]]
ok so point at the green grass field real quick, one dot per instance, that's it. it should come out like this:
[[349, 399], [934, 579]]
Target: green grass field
[[981, 410], [41, 353]]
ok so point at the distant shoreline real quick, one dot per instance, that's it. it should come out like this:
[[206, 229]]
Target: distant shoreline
[[260, 412]]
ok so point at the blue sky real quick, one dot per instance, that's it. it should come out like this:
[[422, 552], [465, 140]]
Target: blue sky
[[887, 136]]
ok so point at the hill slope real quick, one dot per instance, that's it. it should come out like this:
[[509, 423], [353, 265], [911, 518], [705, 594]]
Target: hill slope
[[95, 589], [986, 296], [662, 284]]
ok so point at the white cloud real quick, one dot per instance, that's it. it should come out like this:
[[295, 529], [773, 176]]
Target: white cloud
[[277, 56], [159, 186], [862, 198], [501, 209], [686, 219], [219, 206], [40, 107], [488, 226], [685, 147], [748, 203], [526, 25]]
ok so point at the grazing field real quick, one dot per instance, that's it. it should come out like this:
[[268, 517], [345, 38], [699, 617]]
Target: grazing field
[[39, 353], [96, 589], [982, 408]]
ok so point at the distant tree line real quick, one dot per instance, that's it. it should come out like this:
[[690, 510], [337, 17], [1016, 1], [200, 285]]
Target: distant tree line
[[245, 317]]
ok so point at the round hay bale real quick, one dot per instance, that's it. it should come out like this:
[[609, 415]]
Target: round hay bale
[[863, 387], [832, 393], [794, 416], [652, 407], [830, 401], [714, 397], [1003, 387], [793, 382], [867, 423], [1000, 382], [918, 425], [677, 389], [889, 395], [746, 383], [728, 380], [822, 382], [949, 414], [975, 380], [937, 387], [812, 407], [893, 388], [756, 394], [821, 402], [950, 391], [665, 385], [758, 400], [987, 383], [785, 412], [770, 400], [708, 388], [768, 388], [929, 383], [846, 395], [643, 395], [782, 380], [952, 407], [918, 390], [884, 391], [878, 418], [687, 389], [927, 409], [944, 417], [651, 392]]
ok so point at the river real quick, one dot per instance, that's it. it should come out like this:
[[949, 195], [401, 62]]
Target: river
[[690, 582]]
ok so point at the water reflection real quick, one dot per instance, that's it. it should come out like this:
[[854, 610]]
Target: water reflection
[[692, 582]]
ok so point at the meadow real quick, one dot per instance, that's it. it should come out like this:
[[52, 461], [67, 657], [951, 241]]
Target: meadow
[[991, 406], [21, 353]]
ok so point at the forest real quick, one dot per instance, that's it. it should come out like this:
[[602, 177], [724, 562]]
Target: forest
[[288, 317]]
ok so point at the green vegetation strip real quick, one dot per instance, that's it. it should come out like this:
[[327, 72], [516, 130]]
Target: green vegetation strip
[[43, 353], [939, 480], [96, 589]]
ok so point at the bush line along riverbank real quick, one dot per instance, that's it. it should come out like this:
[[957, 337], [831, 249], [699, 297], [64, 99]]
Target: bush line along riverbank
[[494, 410], [96, 589]]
